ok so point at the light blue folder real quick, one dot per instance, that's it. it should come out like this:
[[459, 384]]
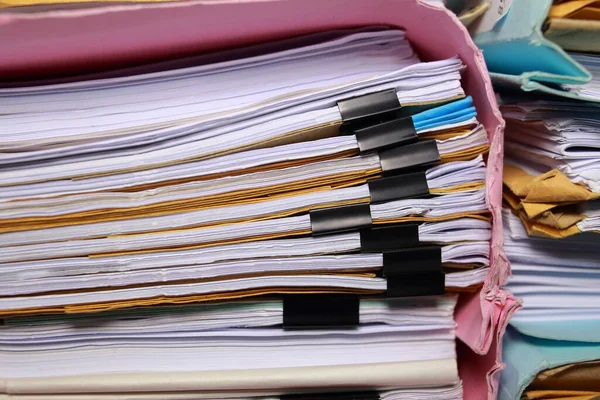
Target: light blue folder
[[526, 356], [451, 113], [519, 56]]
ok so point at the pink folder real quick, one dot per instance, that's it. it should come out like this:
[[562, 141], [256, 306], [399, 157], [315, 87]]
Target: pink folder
[[84, 40]]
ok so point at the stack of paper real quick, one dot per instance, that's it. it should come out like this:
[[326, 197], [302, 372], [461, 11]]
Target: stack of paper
[[202, 183], [557, 279], [188, 344], [136, 209], [551, 183], [553, 166]]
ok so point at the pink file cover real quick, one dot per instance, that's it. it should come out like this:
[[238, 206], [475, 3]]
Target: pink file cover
[[54, 43]]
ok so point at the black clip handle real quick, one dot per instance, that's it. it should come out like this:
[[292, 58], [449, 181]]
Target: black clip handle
[[340, 219], [310, 311], [380, 239], [417, 155], [368, 105], [414, 272], [399, 187], [397, 132]]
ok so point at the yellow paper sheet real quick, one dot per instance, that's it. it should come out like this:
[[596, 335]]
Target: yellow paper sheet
[[538, 195], [560, 395], [550, 187], [173, 300], [535, 228], [464, 155], [225, 199], [192, 204], [163, 300], [469, 16], [579, 35], [576, 9], [483, 216]]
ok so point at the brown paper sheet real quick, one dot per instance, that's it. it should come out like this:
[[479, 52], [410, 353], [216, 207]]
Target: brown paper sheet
[[445, 134], [195, 204], [225, 199], [464, 155], [575, 9], [584, 376], [535, 228], [552, 187], [560, 395], [577, 35], [483, 216], [98, 307], [209, 244], [267, 167], [175, 300], [546, 204], [191, 204], [471, 15]]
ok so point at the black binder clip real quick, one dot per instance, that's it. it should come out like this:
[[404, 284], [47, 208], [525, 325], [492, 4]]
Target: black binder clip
[[417, 155], [340, 219], [398, 187], [414, 272], [381, 239], [333, 396], [313, 311], [385, 135], [369, 105]]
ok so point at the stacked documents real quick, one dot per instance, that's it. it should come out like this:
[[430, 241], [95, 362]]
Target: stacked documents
[[551, 191], [553, 165], [404, 343], [138, 209], [96, 180], [552, 345]]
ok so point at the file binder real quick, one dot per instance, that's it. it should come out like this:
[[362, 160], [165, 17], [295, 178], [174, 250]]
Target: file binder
[[350, 14]]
